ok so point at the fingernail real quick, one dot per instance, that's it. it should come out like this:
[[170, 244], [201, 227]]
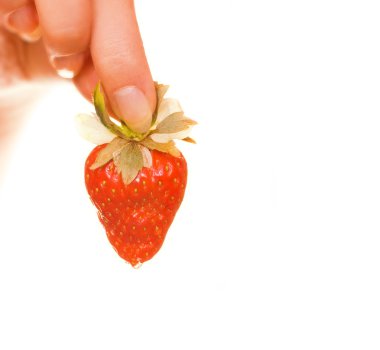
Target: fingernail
[[133, 107], [67, 66], [31, 37], [24, 22]]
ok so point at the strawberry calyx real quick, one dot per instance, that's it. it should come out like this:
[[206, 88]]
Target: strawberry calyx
[[121, 130], [130, 150]]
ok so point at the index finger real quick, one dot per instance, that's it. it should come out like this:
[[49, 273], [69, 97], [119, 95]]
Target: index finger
[[120, 62]]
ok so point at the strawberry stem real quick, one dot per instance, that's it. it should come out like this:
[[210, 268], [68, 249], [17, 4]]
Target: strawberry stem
[[123, 130]]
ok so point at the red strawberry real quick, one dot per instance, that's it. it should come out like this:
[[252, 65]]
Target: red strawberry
[[137, 181], [137, 216]]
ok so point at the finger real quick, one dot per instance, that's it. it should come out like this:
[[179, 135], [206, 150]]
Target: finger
[[22, 20], [86, 80], [37, 65], [66, 30], [7, 6], [119, 59]]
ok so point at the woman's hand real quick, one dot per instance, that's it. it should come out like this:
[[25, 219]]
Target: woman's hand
[[85, 40]]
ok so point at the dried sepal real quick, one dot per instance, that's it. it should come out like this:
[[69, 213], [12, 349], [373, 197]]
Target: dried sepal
[[147, 156], [164, 138], [168, 147], [161, 90], [174, 123], [174, 151], [129, 162], [109, 152], [92, 130], [189, 140], [167, 107], [171, 123]]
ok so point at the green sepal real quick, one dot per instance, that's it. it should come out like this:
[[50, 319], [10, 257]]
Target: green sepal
[[101, 111]]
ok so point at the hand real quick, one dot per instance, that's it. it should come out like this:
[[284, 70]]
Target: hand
[[85, 40]]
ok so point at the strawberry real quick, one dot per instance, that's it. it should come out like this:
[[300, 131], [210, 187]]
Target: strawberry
[[136, 217], [137, 181]]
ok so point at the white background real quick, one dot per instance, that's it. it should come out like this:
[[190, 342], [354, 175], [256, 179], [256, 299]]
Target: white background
[[277, 243]]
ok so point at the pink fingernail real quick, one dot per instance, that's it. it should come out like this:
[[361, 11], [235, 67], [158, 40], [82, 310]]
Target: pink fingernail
[[67, 66], [133, 107], [23, 21]]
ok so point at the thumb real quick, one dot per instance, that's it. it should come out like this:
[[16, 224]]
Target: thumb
[[119, 60]]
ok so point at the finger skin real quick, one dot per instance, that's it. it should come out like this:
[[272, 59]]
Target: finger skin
[[86, 80], [117, 49], [37, 65], [65, 25], [7, 6]]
